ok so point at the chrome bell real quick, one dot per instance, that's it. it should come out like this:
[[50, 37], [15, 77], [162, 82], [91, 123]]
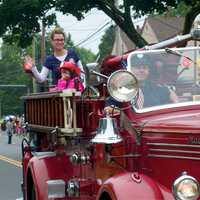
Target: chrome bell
[[107, 132]]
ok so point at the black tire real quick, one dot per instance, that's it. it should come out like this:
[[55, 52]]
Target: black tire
[[105, 196], [33, 195]]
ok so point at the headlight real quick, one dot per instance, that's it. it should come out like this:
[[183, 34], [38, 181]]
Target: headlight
[[122, 86], [186, 188]]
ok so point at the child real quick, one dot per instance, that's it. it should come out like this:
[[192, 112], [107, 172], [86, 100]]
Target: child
[[70, 78]]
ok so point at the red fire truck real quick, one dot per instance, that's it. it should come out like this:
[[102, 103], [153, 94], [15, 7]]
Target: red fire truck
[[77, 151]]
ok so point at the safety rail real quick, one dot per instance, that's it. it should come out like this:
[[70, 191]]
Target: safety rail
[[49, 110]]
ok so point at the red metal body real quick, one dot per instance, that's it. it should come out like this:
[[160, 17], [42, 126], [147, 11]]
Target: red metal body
[[157, 147], [169, 146]]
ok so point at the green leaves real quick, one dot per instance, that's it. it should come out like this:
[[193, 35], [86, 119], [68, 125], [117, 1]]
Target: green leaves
[[107, 42], [21, 18]]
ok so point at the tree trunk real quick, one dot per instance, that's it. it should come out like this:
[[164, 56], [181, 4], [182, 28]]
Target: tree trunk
[[124, 21], [189, 19], [132, 34]]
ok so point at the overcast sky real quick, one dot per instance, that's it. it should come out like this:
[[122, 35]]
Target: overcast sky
[[81, 30], [94, 21]]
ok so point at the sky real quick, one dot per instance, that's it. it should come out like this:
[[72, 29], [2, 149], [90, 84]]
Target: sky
[[93, 26], [80, 30]]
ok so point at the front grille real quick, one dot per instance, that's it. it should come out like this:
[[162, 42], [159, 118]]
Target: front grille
[[174, 150]]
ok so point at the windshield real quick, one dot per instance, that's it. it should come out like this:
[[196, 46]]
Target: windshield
[[166, 76]]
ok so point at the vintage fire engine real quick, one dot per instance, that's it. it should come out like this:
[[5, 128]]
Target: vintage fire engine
[[77, 151]]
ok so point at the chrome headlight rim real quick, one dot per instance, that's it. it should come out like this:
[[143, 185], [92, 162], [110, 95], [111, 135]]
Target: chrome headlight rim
[[180, 181], [128, 97]]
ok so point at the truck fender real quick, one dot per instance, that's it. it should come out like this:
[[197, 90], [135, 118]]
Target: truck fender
[[47, 168], [132, 186]]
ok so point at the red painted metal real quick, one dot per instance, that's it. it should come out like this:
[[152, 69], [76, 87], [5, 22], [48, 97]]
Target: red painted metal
[[123, 186], [143, 168]]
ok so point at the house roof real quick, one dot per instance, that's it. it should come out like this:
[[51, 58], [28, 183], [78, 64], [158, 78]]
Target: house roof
[[165, 27]]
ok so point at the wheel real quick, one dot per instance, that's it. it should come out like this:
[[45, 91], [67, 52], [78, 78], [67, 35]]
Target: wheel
[[30, 192], [105, 196], [33, 195]]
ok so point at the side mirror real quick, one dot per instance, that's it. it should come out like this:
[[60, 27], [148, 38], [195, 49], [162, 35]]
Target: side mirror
[[92, 79], [122, 85]]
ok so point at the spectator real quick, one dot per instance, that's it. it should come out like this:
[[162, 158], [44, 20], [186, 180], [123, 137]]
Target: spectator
[[52, 62], [3, 125], [9, 130]]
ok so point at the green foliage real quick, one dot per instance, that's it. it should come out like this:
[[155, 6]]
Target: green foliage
[[181, 10], [21, 19], [86, 56], [69, 43], [12, 71], [12, 74], [107, 41]]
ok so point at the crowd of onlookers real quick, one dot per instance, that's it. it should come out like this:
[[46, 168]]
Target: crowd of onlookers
[[13, 125]]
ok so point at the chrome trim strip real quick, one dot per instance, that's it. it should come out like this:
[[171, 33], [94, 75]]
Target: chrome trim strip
[[167, 106], [173, 145], [174, 151], [169, 156], [45, 154], [126, 156]]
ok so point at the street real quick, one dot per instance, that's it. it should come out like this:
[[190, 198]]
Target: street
[[10, 168]]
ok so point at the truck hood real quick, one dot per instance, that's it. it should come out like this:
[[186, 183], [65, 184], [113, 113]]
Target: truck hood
[[181, 121]]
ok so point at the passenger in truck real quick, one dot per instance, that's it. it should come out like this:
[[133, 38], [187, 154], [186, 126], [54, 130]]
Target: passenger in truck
[[70, 78], [52, 62], [150, 93]]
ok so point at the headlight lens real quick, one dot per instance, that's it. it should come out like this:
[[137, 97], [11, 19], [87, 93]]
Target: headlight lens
[[186, 188], [122, 86]]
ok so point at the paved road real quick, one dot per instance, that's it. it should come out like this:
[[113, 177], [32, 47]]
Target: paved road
[[10, 168]]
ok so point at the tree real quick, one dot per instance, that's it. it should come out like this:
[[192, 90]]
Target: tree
[[107, 41], [21, 18], [189, 9], [181, 10], [12, 74], [193, 7]]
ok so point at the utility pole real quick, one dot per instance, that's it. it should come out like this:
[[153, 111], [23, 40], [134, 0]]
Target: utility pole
[[33, 56], [43, 46], [0, 109], [43, 53]]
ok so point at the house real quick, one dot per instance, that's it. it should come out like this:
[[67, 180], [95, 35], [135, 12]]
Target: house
[[155, 29], [160, 28]]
